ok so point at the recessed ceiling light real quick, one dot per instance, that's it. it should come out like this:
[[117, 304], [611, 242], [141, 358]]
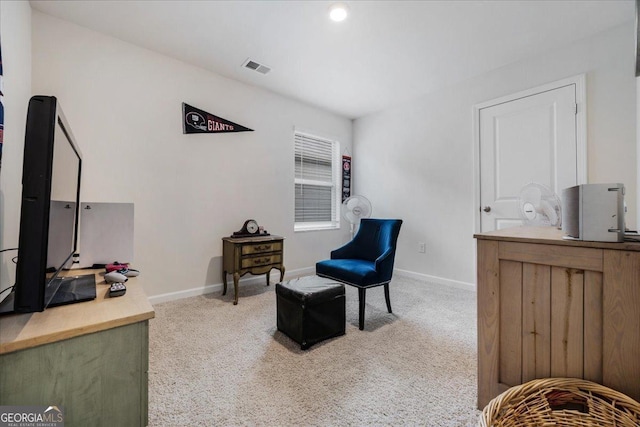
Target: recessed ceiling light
[[338, 12]]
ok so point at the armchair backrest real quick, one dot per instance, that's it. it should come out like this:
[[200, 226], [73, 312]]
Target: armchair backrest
[[375, 237]]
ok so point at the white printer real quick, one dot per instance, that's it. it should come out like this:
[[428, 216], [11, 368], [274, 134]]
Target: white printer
[[593, 212]]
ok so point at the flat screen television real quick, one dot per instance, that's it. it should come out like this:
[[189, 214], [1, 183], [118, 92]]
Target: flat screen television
[[49, 216]]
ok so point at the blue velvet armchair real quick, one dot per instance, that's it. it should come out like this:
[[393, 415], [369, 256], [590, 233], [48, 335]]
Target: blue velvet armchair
[[366, 261]]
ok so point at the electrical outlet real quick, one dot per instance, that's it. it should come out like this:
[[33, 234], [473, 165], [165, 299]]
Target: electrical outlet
[[422, 247]]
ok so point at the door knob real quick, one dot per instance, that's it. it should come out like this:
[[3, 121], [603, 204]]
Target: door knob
[[487, 209]]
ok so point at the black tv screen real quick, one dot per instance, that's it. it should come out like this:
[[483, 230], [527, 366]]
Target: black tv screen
[[50, 203]]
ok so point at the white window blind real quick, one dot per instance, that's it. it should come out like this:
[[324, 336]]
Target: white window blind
[[316, 178]]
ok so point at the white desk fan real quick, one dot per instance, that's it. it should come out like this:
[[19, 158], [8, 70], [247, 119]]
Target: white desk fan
[[539, 205], [354, 209]]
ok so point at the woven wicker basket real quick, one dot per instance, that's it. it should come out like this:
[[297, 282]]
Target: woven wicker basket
[[561, 402]]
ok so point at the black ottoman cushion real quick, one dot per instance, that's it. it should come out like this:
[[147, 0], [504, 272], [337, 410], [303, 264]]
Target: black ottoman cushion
[[310, 309]]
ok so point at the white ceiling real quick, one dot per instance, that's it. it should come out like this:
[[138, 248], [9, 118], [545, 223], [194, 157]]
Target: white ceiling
[[386, 52]]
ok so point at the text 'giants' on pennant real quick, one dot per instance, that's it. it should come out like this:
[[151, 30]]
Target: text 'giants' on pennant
[[195, 120]]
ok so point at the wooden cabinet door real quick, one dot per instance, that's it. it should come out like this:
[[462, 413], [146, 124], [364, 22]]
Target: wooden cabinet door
[[539, 314]]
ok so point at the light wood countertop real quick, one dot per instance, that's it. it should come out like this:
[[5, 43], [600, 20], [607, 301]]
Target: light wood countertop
[[26, 330], [549, 236]]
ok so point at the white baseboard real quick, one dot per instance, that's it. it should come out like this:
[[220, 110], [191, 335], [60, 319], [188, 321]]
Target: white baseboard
[[252, 280], [436, 279], [217, 287], [172, 296]]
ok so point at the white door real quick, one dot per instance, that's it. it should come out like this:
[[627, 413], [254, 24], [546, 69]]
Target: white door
[[528, 139]]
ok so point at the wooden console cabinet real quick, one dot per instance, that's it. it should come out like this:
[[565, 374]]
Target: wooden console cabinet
[[255, 255], [90, 358], [549, 307]]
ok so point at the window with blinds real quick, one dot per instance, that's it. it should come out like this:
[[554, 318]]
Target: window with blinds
[[316, 182]]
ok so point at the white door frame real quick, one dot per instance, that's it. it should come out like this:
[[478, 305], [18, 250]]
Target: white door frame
[[581, 131]]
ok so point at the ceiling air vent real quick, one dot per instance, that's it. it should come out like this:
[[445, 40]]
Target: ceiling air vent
[[253, 65]]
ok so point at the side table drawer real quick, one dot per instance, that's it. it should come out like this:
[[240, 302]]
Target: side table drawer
[[262, 248], [256, 261]]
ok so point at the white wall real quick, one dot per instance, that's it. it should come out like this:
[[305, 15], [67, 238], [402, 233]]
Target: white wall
[[15, 35], [124, 107], [415, 161]]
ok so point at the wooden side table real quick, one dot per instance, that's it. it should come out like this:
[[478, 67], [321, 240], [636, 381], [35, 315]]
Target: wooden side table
[[255, 255]]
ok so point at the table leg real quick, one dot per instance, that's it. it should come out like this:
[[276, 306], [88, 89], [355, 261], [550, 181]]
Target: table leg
[[236, 279], [224, 283], [281, 272], [268, 277]]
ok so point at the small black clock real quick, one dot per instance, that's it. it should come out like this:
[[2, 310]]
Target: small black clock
[[250, 228]]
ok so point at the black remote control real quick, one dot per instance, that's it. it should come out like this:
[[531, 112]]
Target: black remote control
[[117, 289]]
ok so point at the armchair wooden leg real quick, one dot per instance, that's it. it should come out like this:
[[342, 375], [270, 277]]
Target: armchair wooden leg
[[386, 296], [362, 297]]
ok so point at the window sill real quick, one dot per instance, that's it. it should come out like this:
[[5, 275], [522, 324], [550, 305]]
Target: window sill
[[315, 227]]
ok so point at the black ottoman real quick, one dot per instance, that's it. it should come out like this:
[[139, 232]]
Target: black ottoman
[[310, 309]]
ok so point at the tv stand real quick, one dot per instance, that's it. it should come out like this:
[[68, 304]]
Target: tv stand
[[92, 359]]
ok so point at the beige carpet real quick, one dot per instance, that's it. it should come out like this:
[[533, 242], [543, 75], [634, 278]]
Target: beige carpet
[[215, 364]]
